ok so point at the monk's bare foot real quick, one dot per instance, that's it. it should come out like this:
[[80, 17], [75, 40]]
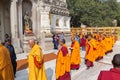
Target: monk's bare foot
[[87, 68]]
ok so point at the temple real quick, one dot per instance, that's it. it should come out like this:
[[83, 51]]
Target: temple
[[39, 19]]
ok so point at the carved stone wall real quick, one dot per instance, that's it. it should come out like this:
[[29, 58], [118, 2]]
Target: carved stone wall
[[39, 12]]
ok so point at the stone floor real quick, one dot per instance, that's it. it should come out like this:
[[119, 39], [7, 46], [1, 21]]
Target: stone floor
[[81, 74]]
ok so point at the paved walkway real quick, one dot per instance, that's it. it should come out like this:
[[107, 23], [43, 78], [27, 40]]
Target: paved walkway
[[81, 74]]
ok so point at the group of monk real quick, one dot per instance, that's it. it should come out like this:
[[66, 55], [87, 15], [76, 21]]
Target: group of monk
[[97, 46], [68, 58], [66, 62]]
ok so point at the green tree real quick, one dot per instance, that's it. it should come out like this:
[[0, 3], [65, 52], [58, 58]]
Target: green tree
[[118, 16], [93, 12]]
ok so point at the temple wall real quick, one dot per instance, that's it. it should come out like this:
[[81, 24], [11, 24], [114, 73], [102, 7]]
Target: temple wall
[[11, 21], [63, 23]]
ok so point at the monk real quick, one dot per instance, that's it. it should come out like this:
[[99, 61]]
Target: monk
[[90, 56], [113, 73], [75, 54], [63, 62], [105, 42], [83, 42], [108, 44], [35, 62], [96, 47], [113, 40], [6, 70], [102, 46]]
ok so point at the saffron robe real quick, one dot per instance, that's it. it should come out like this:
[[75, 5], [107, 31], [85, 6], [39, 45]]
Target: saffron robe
[[75, 55], [6, 70], [35, 72], [102, 48], [91, 51], [63, 64], [108, 44], [113, 40]]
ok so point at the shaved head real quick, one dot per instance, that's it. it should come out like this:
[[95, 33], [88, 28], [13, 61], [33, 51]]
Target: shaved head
[[31, 42], [72, 39]]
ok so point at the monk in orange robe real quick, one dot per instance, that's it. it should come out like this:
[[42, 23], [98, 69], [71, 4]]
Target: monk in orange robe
[[36, 62], [97, 47], [113, 40], [113, 73], [108, 44], [6, 70], [105, 42], [63, 62], [75, 54], [90, 51], [102, 47], [111, 43]]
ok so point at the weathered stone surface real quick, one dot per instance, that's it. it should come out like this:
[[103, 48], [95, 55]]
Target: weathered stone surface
[[41, 21]]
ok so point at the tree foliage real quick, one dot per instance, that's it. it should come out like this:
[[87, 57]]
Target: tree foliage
[[118, 16], [93, 12]]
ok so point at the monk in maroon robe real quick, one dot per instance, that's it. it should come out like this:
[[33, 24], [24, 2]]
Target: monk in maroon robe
[[114, 73], [63, 62]]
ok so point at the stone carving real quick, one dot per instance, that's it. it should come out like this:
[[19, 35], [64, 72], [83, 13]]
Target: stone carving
[[59, 7], [27, 23], [114, 21], [60, 3]]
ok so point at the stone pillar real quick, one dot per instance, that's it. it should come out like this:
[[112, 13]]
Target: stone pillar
[[20, 22], [61, 22], [43, 25], [40, 35], [44, 17], [14, 26], [34, 20], [68, 24], [45, 22], [13, 14], [53, 23]]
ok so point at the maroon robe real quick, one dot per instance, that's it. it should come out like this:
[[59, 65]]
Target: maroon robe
[[83, 42], [113, 74]]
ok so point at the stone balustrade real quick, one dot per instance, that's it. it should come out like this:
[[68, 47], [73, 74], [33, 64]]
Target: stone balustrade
[[104, 30]]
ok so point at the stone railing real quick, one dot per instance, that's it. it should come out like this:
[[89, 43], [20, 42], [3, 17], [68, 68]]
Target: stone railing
[[104, 30], [59, 29]]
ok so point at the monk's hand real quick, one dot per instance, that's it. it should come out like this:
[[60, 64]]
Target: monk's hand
[[59, 47], [38, 63], [89, 44], [71, 48], [27, 56]]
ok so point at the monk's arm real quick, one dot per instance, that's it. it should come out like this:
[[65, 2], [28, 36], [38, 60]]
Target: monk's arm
[[1, 60], [38, 58], [60, 57]]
